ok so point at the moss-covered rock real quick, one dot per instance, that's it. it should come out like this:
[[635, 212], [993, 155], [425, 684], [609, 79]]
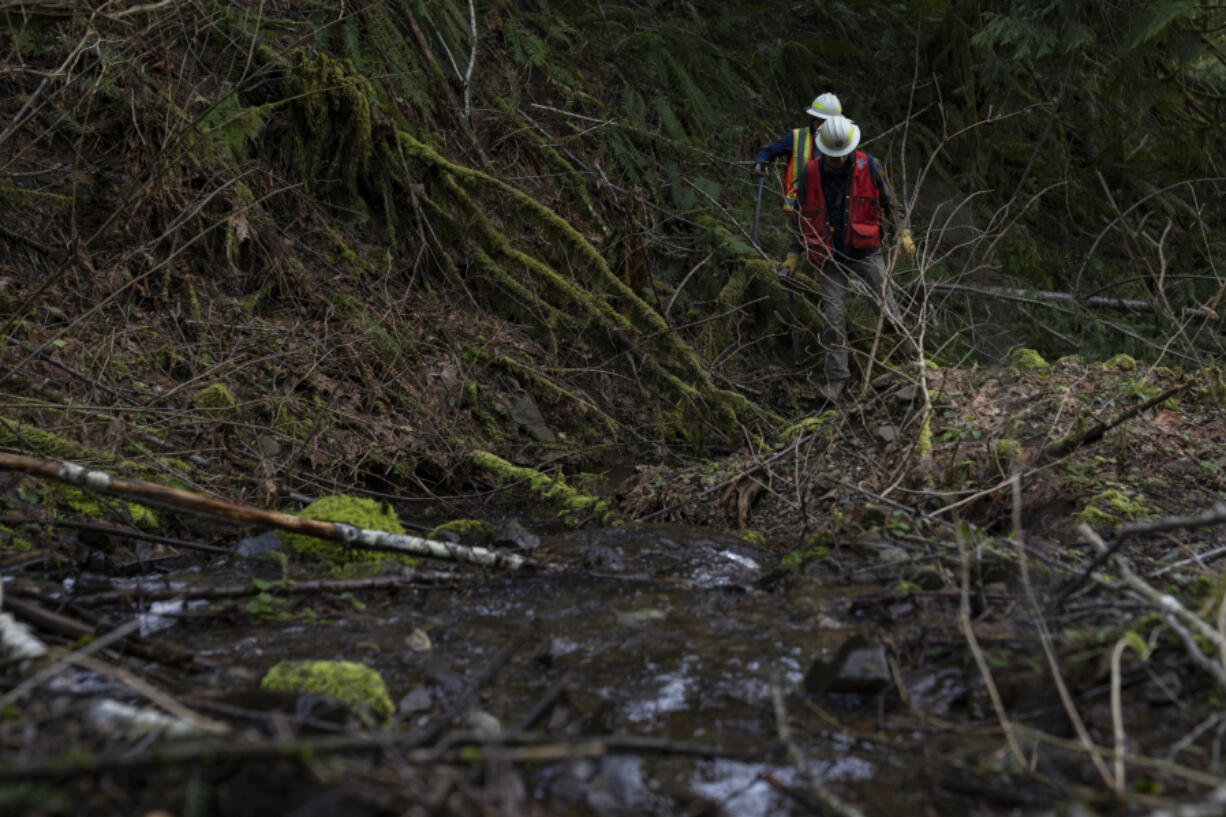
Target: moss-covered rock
[[752, 537], [216, 401], [356, 685], [357, 511], [1028, 360], [1122, 362], [476, 532], [1004, 451], [1113, 507]]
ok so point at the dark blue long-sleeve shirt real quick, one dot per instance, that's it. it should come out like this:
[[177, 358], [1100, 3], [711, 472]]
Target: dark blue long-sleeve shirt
[[781, 147]]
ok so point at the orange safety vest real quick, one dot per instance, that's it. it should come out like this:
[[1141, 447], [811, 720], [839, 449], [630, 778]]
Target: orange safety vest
[[802, 148], [863, 216]]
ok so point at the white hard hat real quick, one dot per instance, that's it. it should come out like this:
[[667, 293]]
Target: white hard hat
[[838, 136], [825, 106]]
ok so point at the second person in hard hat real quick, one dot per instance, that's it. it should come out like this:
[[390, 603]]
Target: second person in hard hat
[[797, 145], [843, 199]]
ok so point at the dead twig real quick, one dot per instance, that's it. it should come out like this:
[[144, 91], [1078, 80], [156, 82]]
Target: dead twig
[[1210, 518], [145, 593], [830, 801], [461, 748], [1075, 439]]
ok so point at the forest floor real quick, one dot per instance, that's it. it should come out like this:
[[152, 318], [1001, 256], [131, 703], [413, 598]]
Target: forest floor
[[855, 538]]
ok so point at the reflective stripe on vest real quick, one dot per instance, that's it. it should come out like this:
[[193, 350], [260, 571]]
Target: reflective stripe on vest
[[802, 146], [863, 216]]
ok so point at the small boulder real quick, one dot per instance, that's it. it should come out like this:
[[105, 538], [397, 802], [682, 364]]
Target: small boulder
[[525, 412], [510, 533], [859, 668], [356, 685]]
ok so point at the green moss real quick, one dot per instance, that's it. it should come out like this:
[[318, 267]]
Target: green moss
[[752, 537], [9, 540], [1004, 451], [1122, 362], [360, 512], [814, 548], [1215, 393], [1071, 362], [807, 424], [1028, 360], [472, 531], [89, 505], [34, 440], [357, 686], [291, 425], [216, 401], [923, 440], [573, 506], [1114, 507]]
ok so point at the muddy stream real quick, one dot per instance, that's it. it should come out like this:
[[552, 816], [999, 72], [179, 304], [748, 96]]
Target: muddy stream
[[664, 631]]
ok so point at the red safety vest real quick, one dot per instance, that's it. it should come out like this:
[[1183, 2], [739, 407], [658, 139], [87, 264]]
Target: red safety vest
[[802, 152], [863, 218]]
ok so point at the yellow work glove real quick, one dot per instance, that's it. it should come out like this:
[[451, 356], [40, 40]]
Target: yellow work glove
[[908, 246], [789, 264]]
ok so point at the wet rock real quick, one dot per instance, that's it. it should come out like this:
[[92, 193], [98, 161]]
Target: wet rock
[[635, 618], [602, 558], [444, 535], [611, 786], [937, 693], [525, 412], [483, 723], [255, 545], [927, 577], [418, 700], [860, 668], [510, 533], [553, 650], [872, 515], [887, 433], [907, 394], [418, 641], [891, 553], [884, 381]]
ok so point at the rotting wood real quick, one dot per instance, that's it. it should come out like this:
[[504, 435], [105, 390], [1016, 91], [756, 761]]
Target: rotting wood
[[460, 747], [1075, 440], [1043, 296], [145, 593], [348, 535]]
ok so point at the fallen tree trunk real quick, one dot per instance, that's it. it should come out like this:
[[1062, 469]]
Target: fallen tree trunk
[[345, 534], [1031, 296]]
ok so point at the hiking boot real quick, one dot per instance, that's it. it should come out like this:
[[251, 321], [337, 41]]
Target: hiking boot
[[830, 391]]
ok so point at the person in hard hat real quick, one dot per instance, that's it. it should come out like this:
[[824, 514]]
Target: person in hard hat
[[843, 199], [797, 145]]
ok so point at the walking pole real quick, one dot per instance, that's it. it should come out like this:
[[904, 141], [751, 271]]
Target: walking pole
[[757, 210]]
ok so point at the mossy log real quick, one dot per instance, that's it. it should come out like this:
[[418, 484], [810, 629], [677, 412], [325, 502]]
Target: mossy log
[[574, 507]]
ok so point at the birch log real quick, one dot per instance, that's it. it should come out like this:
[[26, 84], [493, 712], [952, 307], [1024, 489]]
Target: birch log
[[345, 534]]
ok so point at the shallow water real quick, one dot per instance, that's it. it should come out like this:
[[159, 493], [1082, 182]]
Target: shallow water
[[656, 631]]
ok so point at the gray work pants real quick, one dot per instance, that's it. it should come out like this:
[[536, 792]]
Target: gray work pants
[[833, 280]]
